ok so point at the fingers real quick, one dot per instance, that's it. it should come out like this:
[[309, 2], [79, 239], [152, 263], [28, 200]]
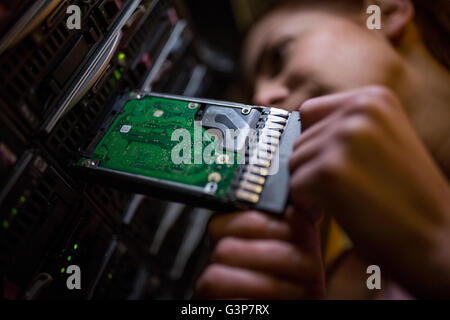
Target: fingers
[[248, 224], [373, 101], [254, 259], [306, 150], [268, 256], [316, 109], [339, 128], [226, 282], [321, 126]]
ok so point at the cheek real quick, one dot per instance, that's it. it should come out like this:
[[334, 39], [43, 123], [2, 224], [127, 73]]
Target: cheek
[[343, 59]]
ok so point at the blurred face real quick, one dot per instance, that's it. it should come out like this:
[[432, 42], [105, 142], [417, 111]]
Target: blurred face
[[295, 54]]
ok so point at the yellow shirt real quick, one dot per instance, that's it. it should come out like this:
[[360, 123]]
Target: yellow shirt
[[334, 241]]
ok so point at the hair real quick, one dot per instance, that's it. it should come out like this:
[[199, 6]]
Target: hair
[[433, 21]]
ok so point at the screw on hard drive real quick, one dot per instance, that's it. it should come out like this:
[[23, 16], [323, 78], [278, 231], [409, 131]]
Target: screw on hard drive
[[135, 95], [90, 163], [246, 110]]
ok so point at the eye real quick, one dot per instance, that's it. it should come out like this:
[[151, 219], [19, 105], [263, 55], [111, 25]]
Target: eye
[[278, 57]]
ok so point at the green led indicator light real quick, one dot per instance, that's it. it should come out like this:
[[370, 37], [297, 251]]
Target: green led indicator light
[[121, 57], [109, 276], [117, 74], [22, 199], [69, 258], [63, 270], [75, 246], [5, 224], [14, 211]]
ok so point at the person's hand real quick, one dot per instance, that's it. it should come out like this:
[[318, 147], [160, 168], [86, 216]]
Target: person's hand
[[260, 257], [360, 158]]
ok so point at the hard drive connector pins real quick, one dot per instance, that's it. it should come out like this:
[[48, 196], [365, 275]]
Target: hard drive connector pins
[[276, 119], [267, 148], [260, 162], [261, 156], [247, 196], [273, 126], [270, 141], [254, 178], [265, 155], [266, 137], [252, 187], [264, 172], [270, 133], [279, 112]]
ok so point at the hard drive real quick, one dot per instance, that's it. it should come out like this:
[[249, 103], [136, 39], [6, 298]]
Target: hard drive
[[214, 154]]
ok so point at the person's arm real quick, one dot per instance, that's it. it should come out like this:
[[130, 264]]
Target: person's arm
[[258, 256], [361, 159]]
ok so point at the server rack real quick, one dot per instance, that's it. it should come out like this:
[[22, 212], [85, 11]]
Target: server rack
[[55, 85]]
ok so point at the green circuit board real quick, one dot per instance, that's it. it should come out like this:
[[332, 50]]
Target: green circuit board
[[141, 141]]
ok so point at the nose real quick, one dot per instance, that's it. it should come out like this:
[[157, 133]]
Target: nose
[[270, 93]]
